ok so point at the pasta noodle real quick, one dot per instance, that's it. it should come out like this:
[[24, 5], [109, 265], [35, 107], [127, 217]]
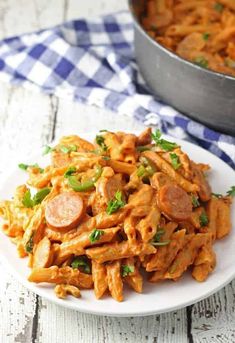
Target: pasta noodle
[[202, 31], [103, 212]]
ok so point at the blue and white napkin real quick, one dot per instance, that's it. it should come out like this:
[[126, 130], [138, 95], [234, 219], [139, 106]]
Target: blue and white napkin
[[92, 61]]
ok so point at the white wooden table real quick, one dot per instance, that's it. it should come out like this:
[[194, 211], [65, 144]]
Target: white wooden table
[[27, 121]]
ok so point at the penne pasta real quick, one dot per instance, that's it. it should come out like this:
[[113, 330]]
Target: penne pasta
[[199, 31], [101, 213], [64, 275], [115, 283]]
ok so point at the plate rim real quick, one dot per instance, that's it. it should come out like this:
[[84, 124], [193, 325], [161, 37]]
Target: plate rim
[[9, 268]]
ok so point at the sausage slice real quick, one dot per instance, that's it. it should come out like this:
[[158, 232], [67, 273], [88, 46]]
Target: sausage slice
[[64, 211], [175, 202], [42, 256]]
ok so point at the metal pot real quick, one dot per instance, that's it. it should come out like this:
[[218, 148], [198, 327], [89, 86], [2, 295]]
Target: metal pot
[[202, 94]]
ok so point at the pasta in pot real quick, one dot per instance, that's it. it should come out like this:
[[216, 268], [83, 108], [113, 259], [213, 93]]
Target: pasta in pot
[[103, 212], [201, 31]]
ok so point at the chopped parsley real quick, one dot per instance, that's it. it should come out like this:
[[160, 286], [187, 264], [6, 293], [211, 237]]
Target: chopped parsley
[[95, 235], [103, 130], [29, 245], [115, 204], [81, 263], [142, 148], [201, 61], [101, 142], [203, 219], [206, 36], [158, 235], [162, 143], [195, 201], [175, 161], [157, 238], [40, 195], [126, 270], [218, 7], [70, 171], [29, 201], [24, 166], [231, 192]]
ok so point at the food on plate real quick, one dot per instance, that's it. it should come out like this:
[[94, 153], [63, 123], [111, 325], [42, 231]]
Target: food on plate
[[100, 214], [202, 31]]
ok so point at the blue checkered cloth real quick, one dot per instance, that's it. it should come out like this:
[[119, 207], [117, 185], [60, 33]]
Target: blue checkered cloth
[[92, 61]]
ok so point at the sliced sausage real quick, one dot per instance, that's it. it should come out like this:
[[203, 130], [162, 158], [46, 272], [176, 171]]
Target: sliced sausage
[[64, 211], [114, 184], [145, 137], [42, 256], [200, 180], [107, 187], [160, 179], [174, 202]]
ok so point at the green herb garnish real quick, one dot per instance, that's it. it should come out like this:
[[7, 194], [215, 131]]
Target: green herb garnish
[[68, 149], [126, 270], [141, 171], [146, 169], [47, 150], [27, 201], [95, 235], [231, 192], [157, 238], [162, 143], [101, 142], [142, 148], [77, 186], [218, 7], [70, 171], [115, 204], [203, 219], [195, 201], [30, 202], [40, 195], [103, 130], [82, 262], [160, 232], [175, 161], [201, 61], [29, 245], [26, 166], [206, 36]]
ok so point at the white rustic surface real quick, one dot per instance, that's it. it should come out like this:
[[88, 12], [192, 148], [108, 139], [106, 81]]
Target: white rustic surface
[[29, 120]]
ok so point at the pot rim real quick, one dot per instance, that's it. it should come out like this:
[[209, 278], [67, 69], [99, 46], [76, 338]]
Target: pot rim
[[174, 55]]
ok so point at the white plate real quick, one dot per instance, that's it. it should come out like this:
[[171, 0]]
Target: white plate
[[156, 298]]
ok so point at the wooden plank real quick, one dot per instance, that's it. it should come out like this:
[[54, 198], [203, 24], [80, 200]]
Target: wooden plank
[[26, 121], [75, 118], [213, 319], [78, 9], [89, 328], [22, 16], [17, 308]]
